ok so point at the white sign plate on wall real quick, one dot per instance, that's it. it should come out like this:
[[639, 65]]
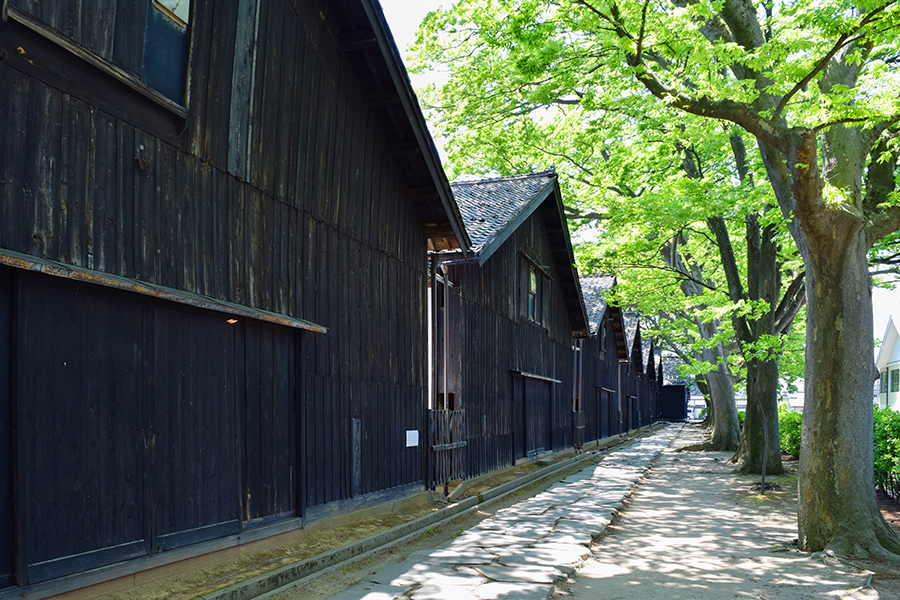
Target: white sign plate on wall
[[412, 438]]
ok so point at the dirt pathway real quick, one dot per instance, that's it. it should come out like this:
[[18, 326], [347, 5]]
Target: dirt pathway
[[693, 531]]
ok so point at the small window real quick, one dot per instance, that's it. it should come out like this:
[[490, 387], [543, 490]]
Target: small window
[[166, 48], [534, 293], [895, 380], [178, 10], [883, 389], [602, 335]]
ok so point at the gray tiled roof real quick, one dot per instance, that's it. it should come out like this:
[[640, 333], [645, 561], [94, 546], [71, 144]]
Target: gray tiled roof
[[593, 290], [670, 373], [630, 325], [488, 205], [645, 351]]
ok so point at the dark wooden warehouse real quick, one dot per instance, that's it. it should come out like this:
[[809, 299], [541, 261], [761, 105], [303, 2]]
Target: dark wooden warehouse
[[511, 310], [599, 355], [213, 277]]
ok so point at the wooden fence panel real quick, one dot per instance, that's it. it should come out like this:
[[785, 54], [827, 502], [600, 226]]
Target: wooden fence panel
[[447, 446]]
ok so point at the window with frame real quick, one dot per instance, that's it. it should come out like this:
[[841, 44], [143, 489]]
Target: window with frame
[[166, 47], [601, 334], [883, 389], [534, 295], [895, 380]]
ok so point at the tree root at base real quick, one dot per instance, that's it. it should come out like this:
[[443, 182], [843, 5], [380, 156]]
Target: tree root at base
[[705, 446]]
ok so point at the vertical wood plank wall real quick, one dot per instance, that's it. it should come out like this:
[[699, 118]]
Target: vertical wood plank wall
[[496, 341], [599, 380], [278, 195]]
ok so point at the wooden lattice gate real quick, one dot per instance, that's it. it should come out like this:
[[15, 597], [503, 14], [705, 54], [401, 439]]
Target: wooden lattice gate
[[448, 446]]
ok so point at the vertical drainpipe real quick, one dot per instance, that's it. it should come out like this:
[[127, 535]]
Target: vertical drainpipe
[[433, 324], [443, 268]]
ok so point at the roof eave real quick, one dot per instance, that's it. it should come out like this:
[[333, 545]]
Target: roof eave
[[413, 112]]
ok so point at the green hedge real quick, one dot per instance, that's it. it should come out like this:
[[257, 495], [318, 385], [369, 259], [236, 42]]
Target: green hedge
[[887, 450], [887, 443], [789, 425]]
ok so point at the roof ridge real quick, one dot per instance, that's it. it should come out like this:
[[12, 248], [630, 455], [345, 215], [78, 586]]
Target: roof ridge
[[551, 172]]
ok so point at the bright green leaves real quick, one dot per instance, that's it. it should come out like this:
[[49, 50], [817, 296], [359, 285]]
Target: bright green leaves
[[887, 448]]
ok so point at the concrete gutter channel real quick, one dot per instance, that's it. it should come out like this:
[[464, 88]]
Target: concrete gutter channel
[[293, 576]]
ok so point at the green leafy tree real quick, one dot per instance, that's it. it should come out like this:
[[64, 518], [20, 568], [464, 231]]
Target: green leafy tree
[[815, 84], [651, 181]]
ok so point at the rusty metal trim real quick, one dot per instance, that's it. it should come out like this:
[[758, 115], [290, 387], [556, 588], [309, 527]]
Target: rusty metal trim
[[49, 267]]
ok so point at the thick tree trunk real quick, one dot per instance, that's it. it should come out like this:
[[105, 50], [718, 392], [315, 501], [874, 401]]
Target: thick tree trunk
[[760, 450], [710, 418], [726, 433], [837, 505], [762, 390]]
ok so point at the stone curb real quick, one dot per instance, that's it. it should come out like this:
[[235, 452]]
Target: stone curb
[[294, 575]]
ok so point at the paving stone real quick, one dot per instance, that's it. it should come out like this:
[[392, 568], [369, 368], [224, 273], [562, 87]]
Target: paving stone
[[569, 537], [588, 529], [486, 539], [531, 531], [519, 573], [453, 556], [519, 591], [408, 574], [520, 552], [445, 592], [371, 591], [557, 555]]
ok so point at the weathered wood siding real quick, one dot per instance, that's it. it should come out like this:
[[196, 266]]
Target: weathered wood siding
[[600, 379], [6, 439], [277, 193], [497, 341]]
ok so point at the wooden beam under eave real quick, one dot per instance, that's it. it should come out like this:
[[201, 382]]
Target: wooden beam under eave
[[378, 98], [440, 231], [357, 40], [422, 194], [397, 149]]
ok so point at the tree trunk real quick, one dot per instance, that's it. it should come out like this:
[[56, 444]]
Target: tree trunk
[[710, 418], [762, 390], [726, 433], [837, 505], [760, 449]]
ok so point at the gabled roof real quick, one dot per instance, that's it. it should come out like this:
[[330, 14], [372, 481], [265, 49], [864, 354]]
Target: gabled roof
[[646, 351], [633, 341], [630, 322], [670, 373], [890, 350], [493, 209], [594, 289], [361, 32]]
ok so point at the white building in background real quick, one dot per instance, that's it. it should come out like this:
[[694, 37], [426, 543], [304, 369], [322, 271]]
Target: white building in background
[[888, 364]]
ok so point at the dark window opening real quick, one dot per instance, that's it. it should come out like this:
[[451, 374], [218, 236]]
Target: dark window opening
[[534, 294], [895, 380], [166, 46], [447, 402]]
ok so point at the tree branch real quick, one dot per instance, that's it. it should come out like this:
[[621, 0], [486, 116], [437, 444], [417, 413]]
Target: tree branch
[[791, 302]]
